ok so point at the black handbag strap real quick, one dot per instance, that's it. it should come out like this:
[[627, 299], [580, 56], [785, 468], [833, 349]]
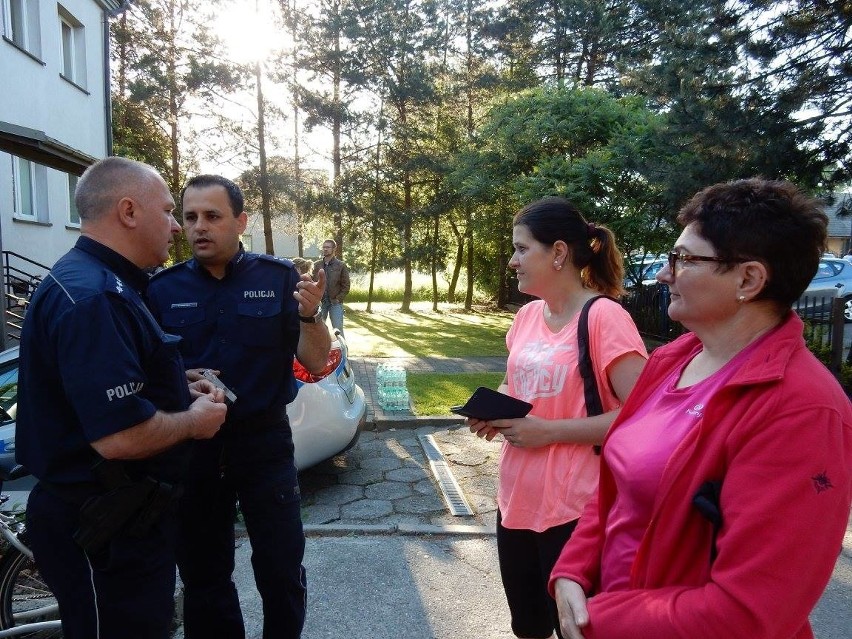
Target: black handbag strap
[[594, 406]]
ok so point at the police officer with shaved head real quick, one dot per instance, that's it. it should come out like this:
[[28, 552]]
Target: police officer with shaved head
[[245, 316], [104, 411]]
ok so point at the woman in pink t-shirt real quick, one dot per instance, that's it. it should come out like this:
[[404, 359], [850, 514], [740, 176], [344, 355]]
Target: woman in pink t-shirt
[[548, 468]]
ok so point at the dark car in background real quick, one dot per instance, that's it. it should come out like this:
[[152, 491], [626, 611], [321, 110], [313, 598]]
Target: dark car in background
[[643, 271]]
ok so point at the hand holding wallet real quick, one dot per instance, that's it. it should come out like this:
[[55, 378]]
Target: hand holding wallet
[[488, 404]]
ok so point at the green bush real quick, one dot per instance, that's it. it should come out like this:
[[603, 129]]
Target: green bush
[[815, 338]]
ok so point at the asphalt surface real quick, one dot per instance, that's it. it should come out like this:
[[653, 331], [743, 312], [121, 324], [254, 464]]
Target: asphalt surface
[[385, 557]]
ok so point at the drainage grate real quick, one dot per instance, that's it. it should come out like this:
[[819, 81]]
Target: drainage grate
[[453, 496]]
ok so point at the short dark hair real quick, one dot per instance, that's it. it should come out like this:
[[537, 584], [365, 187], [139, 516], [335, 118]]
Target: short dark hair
[[235, 195], [770, 221], [593, 248]]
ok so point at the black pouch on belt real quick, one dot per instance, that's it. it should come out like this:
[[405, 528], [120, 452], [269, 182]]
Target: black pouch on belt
[[130, 507], [103, 516]]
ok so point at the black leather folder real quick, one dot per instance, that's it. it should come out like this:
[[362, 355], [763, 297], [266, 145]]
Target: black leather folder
[[488, 404]]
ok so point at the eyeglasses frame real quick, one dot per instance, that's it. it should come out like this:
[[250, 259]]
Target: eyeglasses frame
[[675, 257]]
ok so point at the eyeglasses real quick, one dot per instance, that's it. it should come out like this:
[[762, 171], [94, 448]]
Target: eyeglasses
[[675, 257]]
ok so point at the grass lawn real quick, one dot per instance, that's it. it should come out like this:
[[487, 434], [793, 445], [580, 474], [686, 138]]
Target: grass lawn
[[449, 332], [434, 393]]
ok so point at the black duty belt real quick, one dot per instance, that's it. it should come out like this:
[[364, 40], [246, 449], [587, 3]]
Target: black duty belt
[[267, 420], [76, 493]]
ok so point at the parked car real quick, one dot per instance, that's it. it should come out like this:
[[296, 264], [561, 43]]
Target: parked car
[[833, 279], [643, 271], [326, 417]]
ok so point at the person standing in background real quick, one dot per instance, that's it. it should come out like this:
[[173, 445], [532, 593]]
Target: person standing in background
[[337, 284], [548, 466]]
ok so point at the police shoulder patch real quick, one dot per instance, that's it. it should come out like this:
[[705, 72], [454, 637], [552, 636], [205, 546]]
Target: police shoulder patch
[[170, 269], [281, 261]]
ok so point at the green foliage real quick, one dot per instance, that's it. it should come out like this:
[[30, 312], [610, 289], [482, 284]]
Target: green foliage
[[137, 135], [583, 144], [816, 337], [448, 116]]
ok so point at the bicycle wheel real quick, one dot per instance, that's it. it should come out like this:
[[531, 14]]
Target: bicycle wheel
[[24, 597]]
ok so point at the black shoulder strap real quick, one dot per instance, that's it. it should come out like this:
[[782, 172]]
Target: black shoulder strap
[[587, 371]]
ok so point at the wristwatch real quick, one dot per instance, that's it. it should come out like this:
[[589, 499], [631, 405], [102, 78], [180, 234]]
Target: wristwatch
[[316, 318]]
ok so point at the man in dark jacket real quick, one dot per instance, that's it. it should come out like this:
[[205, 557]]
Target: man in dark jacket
[[337, 284]]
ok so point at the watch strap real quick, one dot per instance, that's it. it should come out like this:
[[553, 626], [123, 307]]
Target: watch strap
[[311, 319]]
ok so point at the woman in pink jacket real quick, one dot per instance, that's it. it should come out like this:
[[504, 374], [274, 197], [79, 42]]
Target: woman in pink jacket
[[726, 480]]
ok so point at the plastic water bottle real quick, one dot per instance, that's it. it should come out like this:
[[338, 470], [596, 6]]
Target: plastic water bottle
[[391, 384]]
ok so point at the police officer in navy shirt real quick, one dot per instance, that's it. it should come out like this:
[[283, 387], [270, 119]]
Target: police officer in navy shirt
[[102, 386], [245, 316]]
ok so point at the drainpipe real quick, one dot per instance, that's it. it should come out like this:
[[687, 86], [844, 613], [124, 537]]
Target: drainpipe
[[124, 6]]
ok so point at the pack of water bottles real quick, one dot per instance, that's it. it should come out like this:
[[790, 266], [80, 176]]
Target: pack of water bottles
[[392, 389]]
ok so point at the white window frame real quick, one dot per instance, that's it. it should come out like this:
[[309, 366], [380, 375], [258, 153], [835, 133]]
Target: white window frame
[[72, 46], [73, 213], [20, 24], [30, 200]]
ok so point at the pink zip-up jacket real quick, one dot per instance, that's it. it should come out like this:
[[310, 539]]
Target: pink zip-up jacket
[[779, 437]]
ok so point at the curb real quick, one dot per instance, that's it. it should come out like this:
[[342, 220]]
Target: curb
[[342, 530], [389, 422]]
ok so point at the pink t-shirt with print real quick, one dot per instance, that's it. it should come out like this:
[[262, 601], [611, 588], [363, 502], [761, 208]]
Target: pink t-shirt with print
[[547, 486]]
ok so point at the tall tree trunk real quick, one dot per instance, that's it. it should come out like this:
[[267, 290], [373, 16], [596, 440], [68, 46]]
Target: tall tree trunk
[[336, 125], [264, 175], [457, 263], [374, 218], [406, 241], [174, 178], [434, 253], [468, 298]]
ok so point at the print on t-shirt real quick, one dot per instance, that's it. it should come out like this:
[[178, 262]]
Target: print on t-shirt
[[541, 370]]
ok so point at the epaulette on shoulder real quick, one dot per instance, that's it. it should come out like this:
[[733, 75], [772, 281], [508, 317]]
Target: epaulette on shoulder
[[170, 269], [282, 261]]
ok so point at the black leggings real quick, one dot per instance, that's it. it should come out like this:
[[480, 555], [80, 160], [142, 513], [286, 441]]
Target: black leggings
[[526, 560]]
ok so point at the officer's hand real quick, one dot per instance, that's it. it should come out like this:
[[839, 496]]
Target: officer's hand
[[195, 374], [208, 415], [206, 387], [309, 293]]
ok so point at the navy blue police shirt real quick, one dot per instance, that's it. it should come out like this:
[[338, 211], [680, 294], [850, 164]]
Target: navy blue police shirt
[[93, 362], [245, 325]]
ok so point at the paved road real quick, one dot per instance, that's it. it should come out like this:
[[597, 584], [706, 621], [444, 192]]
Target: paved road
[[384, 556], [379, 564]]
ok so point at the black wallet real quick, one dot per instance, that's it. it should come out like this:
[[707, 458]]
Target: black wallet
[[488, 404]]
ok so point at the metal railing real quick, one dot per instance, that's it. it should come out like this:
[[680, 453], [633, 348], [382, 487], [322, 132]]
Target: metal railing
[[21, 277], [824, 314]]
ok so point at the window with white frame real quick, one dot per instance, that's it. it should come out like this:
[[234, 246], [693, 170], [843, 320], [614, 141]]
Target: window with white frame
[[21, 24], [29, 186], [73, 213], [73, 45]]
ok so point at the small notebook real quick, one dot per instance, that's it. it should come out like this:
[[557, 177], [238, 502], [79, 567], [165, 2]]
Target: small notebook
[[488, 404]]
